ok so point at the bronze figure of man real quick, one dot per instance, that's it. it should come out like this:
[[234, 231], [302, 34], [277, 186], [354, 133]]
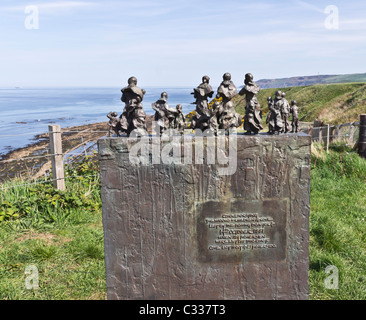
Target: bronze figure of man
[[201, 119], [253, 114], [133, 116], [227, 116], [164, 114]]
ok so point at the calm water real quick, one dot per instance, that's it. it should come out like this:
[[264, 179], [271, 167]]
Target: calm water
[[26, 112]]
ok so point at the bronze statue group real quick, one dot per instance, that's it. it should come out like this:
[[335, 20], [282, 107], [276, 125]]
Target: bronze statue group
[[278, 118], [220, 116]]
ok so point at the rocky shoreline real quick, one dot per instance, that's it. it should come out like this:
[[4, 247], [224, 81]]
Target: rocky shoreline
[[33, 161]]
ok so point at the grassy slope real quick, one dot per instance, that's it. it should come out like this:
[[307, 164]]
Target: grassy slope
[[338, 224], [357, 77], [60, 233], [312, 80], [331, 103]]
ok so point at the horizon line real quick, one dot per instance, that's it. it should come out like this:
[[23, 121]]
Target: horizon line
[[2, 87]]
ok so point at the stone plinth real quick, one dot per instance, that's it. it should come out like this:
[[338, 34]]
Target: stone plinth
[[182, 229]]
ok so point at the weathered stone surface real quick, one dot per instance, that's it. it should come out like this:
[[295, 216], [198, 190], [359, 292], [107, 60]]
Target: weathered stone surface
[[183, 231]]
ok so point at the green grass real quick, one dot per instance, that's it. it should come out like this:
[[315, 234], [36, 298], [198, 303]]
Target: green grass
[[58, 232], [311, 80], [338, 223], [61, 233]]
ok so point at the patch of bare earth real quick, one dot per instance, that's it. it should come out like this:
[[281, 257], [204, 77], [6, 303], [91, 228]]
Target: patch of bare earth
[[46, 237]]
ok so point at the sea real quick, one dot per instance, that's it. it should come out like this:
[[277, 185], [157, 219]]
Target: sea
[[27, 112]]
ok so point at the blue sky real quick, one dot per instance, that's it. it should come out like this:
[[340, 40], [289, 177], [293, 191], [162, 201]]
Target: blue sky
[[175, 43]]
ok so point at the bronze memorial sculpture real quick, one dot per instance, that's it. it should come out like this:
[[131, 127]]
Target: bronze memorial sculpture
[[133, 116], [164, 114], [205, 217], [295, 116], [114, 124], [179, 122], [221, 115], [214, 121], [270, 115], [285, 111], [278, 118], [227, 117], [253, 114], [274, 117], [201, 119]]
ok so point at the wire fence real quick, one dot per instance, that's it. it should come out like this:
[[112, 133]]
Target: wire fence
[[33, 164], [45, 181], [346, 133]]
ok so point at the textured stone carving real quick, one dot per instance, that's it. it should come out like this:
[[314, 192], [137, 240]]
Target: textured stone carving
[[183, 231]]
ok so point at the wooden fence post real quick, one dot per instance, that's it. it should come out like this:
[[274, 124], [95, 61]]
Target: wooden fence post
[[328, 138], [351, 134], [321, 135], [336, 132], [57, 158], [362, 139]]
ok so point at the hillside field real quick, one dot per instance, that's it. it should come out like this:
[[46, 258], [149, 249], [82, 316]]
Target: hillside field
[[311, 80], [330, 103]]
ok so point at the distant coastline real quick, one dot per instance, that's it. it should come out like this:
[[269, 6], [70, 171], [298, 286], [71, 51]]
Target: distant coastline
[[28, 111], [311, 80]]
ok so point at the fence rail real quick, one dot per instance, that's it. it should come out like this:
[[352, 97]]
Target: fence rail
[[348, 133], [45, 181], [46, 156], [35, 161]]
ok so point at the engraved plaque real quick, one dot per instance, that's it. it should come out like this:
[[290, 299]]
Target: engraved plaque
[[242, 231]]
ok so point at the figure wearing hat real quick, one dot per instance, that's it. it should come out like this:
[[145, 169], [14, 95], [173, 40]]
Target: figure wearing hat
[[114, 123], [253, 114], [164, 114], [285, 111], [275, 122], [133, 116], [226, 115], [270, 116], [295, 116], [201, 119], [179, 122]]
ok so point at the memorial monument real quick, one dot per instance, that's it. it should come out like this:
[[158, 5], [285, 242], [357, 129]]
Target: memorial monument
[[194, 217]]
